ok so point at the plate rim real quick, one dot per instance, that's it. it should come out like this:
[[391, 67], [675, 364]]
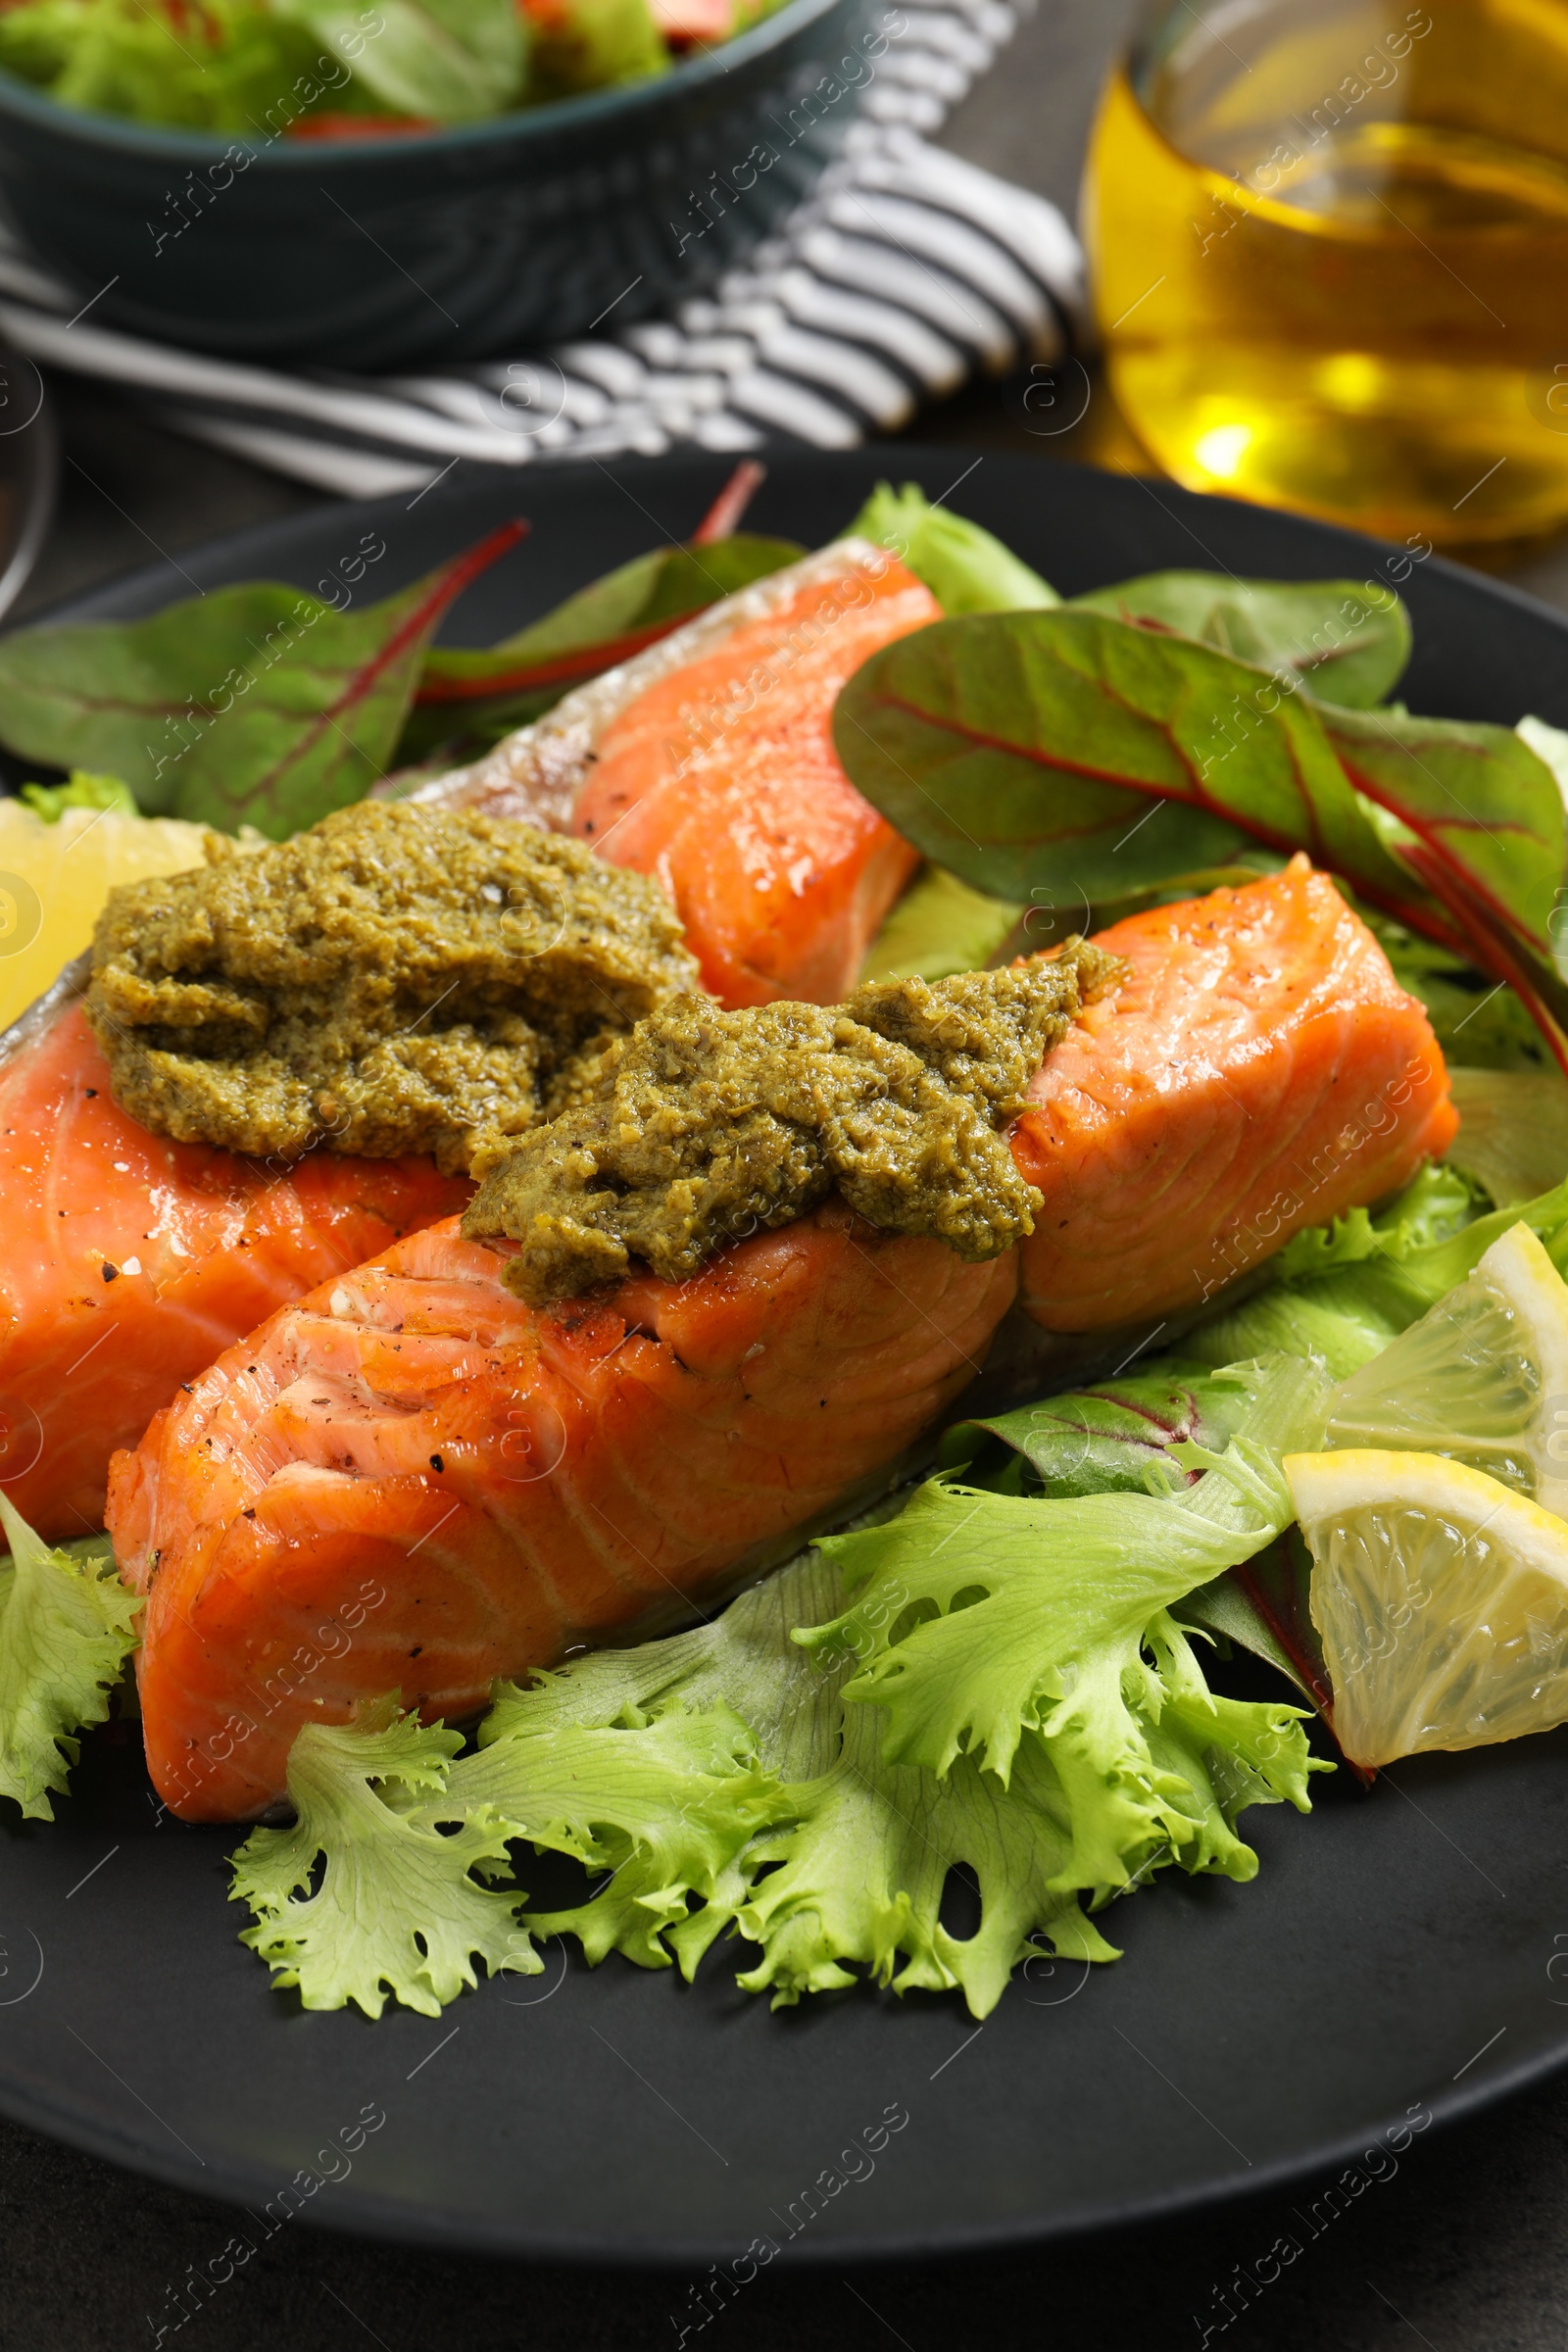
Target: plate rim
[[357, 2214]]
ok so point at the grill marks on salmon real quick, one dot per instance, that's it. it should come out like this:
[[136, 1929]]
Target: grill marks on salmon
[[1260, 1070], [129, 1262], [411, 1479], [709, 761]]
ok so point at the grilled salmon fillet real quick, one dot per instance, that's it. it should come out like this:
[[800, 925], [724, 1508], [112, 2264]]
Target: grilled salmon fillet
[[130, 1262], [1260, 1070], [709, 761], [411, 1479]]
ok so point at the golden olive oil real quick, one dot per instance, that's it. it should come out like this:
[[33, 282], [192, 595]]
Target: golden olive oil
[[1330, 246]]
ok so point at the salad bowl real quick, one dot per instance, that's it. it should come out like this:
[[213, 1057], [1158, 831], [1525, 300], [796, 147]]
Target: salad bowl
[[389, 249]]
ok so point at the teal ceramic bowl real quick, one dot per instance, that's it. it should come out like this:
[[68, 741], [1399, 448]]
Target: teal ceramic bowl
[[485, 239]]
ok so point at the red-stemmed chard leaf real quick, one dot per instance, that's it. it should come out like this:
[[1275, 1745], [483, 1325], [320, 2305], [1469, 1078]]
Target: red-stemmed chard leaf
[[1022, 751], [1486, 834], [724, 516], [666, 588], [252, 704], [1346, 641], [606, 622]]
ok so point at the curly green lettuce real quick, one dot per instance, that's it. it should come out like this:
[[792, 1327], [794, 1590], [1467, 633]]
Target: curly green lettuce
[[398, 1910], [394, 1877], [1342, 1291], [967, 567], [67, 1626], [991, 1630], [664, 1806], [849, 1869]]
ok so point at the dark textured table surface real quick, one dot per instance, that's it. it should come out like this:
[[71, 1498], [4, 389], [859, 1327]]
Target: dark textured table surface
[[1461, 2250]]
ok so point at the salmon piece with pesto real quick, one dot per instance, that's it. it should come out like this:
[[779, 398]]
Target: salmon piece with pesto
[[130, 1261], [709, 761], [413, 1479], [1260, 1070]]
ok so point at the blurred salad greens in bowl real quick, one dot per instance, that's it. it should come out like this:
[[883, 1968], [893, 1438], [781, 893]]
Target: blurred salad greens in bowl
[[322, 69], [370, 183]]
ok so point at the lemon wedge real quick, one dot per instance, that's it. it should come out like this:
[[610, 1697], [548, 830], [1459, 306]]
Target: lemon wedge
[[1482, 1378], [54, 879], [1442, 1599]]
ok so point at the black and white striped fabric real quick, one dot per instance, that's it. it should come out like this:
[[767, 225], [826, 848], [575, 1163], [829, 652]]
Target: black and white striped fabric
[[906, 271]]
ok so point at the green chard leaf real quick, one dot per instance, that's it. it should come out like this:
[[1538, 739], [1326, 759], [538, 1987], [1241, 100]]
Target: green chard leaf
[[940, 926], [1068, 753], [1347, 646], [1264, 1607], [967, 568], [251, 704], [469, 699], [1103, 1440], [1074, 755], [398, 1910], [67, 1626], [1477, 801]]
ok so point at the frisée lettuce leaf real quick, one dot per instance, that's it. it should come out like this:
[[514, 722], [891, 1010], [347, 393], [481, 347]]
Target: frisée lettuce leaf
[[1342, 1292], [398, 1908], [1017, 1613], [852, 1867], [727, 1788], [67, 1626], [966, 566], [663, 1805], [402, 1837], [863, 1867]]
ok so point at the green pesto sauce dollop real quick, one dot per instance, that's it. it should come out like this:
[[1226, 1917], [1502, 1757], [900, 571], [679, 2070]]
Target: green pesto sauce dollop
[[395, 980], [701, 1126]]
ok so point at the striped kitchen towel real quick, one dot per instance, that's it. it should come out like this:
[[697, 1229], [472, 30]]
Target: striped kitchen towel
[[906, 271]]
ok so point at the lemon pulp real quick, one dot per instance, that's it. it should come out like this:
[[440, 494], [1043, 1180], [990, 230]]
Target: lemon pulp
[[1442, 1599], [54, 879], [1483, 1378]]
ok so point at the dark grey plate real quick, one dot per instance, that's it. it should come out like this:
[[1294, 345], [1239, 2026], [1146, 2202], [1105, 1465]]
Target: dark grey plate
[[1402, 1954]]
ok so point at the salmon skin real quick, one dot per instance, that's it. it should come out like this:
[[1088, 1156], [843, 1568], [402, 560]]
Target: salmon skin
[[411, 1479], [1260, 1070], [130, 1262], [709, 761]]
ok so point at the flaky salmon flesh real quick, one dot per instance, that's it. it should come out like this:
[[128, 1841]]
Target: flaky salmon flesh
[[709, 761], [411, 1480], [130, 1262]]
